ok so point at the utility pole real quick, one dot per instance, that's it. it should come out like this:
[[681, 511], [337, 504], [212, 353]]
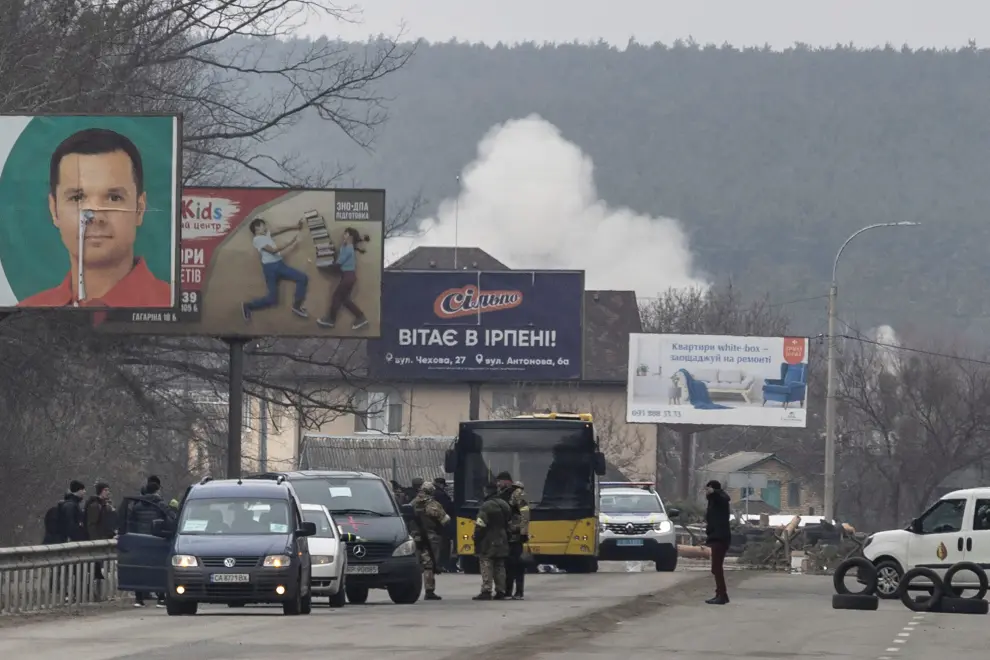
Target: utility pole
[[833, 296]]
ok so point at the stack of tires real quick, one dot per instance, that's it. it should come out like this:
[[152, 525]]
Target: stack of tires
[[866, 599], [942, 596]]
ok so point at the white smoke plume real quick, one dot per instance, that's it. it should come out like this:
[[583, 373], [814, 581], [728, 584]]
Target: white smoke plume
[[887, 352], [529, 199]]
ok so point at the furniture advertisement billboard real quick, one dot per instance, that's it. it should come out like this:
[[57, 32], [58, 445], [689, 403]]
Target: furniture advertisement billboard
[[717, 380], [480, 326]]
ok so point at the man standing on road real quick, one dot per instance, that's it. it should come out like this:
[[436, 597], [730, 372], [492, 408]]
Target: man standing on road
[[719, 534], [143, 517], [515, 568], [428, 532], [448, 564], [101, 523], [491, 543]]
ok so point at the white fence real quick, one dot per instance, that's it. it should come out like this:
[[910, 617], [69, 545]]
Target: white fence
[[36, 578]]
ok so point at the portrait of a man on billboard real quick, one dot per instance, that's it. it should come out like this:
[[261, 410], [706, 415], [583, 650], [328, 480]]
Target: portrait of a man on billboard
[[97, 199]]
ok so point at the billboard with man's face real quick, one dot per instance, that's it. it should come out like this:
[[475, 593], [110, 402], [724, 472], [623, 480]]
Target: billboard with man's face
[[274, 262], [89, 211]]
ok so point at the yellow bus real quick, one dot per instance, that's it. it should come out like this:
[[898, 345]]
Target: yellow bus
[[557, 458]]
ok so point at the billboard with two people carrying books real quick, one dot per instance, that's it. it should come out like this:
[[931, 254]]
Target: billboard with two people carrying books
[[274, 262], [717, 380]]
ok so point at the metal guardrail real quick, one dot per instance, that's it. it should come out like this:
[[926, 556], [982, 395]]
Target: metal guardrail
[[37, 578]]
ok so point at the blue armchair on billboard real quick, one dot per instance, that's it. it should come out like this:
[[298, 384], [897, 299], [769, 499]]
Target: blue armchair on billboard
[[790, 387]]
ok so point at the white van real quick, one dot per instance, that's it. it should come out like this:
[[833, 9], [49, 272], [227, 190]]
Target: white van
[[954, 529]]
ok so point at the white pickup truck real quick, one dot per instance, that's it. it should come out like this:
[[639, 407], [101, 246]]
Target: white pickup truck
[[954, 529]]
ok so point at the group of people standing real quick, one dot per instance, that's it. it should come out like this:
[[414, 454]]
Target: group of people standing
[[501, 531], [78, 517]]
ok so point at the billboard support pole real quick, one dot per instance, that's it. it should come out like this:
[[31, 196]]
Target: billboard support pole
[[687, 442], [474, 401], [235, 405]]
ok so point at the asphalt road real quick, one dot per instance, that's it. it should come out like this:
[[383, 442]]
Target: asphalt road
[[607, 615]]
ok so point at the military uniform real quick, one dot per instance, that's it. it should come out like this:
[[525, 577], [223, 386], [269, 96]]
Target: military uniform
[[491, 542], [428, 534], [515, 567]]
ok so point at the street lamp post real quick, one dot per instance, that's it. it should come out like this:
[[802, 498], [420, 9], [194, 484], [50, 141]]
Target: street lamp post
[[833, 293]]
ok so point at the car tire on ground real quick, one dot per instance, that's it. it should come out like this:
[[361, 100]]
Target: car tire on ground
[[920, 604], [306, 604], [356, 595], [667, 562], [863, 565], [339, 599], [855, 602], [889, 574], [981, 577], [405, 593], [179, 608], [952, 605], [293, 607]]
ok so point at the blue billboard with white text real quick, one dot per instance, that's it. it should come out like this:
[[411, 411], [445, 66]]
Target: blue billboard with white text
[[480, 326]]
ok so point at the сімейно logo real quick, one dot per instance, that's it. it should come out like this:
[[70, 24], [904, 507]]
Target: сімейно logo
[[469, 300]]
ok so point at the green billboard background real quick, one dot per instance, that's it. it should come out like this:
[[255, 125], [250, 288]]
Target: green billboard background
[[31, 249]]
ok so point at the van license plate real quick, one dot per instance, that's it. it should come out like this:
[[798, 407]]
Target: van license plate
[[362, 570], [630, 541], [224, 578]]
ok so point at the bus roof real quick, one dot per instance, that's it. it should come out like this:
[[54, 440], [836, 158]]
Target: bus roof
[[583, 417]]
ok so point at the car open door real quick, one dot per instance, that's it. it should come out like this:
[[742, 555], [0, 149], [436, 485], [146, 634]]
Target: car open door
[[141, 557]]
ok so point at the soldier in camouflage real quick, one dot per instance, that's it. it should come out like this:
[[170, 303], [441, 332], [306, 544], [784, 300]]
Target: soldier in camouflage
[[491, 543], [428, 531], [515, 567]]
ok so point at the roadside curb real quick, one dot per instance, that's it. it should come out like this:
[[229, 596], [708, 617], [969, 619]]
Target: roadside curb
[[65, 612]]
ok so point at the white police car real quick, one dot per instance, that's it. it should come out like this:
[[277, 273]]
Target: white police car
[[635, 526]]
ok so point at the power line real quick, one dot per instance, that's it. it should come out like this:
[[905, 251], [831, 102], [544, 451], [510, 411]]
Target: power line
[[919, 351]]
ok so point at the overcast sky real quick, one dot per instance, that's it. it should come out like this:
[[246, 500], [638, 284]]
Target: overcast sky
[[780, 23]]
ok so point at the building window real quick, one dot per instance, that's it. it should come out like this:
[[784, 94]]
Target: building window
[[276, 414], [377, 412], [794, 494], [512, 402], [745, 492]]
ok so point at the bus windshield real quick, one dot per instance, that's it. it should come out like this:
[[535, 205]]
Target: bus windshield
[[555, 464]]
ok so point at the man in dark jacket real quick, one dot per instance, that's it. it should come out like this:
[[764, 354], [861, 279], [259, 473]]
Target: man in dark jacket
[[718, 534], [448, 563], [142, 520], [71, 519], [101, 521], [101, 517]]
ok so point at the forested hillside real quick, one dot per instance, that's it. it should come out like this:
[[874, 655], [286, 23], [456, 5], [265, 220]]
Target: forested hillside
[[768, 159]]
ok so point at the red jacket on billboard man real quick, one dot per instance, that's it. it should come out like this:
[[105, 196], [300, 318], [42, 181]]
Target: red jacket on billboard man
[[98, 174]]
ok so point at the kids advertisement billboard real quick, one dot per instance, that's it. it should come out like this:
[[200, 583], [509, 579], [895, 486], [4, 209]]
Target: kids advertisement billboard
[[274, 262], [480, 326], [89, 211], [717, 380]]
